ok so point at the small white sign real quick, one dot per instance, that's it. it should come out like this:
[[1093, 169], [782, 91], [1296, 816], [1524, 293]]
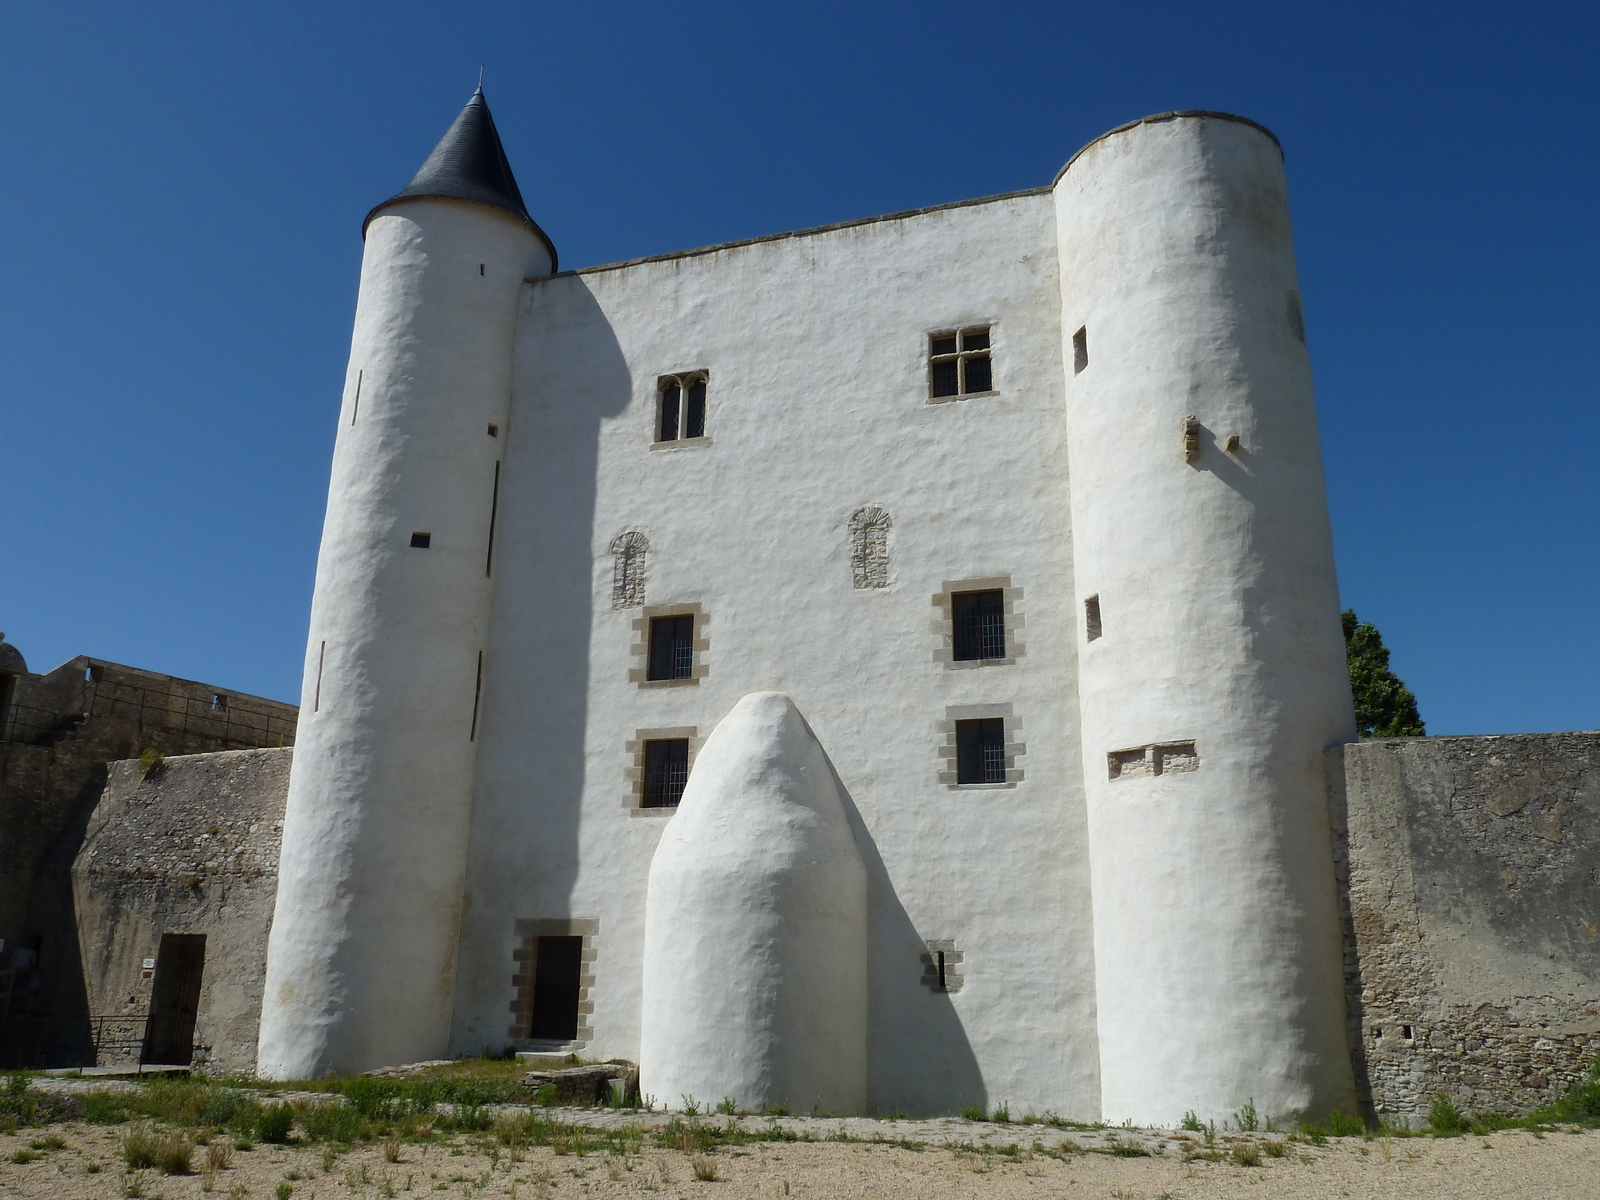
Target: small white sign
[[149, 964]]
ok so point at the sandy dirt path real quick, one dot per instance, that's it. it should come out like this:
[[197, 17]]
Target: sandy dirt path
[[1511, 1165]]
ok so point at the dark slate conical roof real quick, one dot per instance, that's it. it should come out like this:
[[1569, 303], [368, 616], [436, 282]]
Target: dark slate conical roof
[[469, 163]]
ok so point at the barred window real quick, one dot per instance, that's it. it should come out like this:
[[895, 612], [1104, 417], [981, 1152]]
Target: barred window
[[980, 624], [671, 647], [666, 770], [958, 363], [681, 407], [981, 750]]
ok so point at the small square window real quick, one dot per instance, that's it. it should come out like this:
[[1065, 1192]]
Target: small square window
[[666, 770], [421, 541], [671, 647], [959, 364], [981, 750], [980, 625], [681, 407]]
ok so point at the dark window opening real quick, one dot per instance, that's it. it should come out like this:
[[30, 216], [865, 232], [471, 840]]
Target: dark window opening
[[175, 999], [558, 968], [480, 268], [981, 750], [1091, 617], [1080, 350], [942, 984], [219, 703], [421, 541], [666, 770], [494, 513], [694, 420], [477, 699], [494, 431], [980, 624], [671, 647], [670, 394], [959, 363], [681, 408], [1405, 1032]]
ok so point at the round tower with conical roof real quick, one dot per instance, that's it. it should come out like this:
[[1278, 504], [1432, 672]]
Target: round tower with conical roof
[[361, 960]]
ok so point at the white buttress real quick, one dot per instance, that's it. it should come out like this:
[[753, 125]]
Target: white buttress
[[755, 928]]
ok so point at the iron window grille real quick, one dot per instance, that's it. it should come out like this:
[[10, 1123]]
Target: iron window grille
[[681, 407], [671, 647], [980, 625], [981, 750], [666, 770], [958, 363]]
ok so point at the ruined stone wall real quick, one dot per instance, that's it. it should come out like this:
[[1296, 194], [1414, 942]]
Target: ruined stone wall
[[1472, 917], [56, 735], [192, 849]]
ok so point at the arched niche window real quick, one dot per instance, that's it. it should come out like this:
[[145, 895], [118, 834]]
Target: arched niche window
[[628, 552], [681, 408], [869, 547]]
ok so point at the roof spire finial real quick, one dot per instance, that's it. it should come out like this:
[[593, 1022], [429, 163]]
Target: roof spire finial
[[480, 77]]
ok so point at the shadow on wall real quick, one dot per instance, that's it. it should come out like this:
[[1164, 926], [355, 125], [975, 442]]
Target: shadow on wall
[[919, 1059], [523, 860]]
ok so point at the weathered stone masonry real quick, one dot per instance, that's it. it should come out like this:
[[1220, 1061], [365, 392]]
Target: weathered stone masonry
[[1472, 917], [190, 849]]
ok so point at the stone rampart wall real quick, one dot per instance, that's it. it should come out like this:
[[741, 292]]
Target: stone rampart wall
[[191, 849], [1472, 917], [56, 736]]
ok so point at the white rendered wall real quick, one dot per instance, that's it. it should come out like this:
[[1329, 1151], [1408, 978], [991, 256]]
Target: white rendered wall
[[755, 928], [360, 965], [1216, 939], [816, 345]]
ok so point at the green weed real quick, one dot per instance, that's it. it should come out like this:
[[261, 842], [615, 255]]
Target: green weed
[[274, 1123], [1246, 1118]]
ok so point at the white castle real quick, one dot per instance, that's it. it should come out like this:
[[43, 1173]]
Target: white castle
[[1019, 501]]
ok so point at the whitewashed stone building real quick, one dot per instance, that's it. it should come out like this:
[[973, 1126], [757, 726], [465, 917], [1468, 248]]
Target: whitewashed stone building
[[965, 572]]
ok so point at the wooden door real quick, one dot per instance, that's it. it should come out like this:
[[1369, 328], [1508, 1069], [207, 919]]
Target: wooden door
[[175, 999]]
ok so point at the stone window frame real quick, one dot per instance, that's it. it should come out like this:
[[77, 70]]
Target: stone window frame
[[684, 380], [634, 774], [949, 768], [640, 650], [525, 931], [945, 629], [959, 331], [954, 977]]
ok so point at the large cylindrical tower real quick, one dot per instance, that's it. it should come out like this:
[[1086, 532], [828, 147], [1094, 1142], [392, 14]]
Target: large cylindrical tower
[[361, 960], [1212, 662]]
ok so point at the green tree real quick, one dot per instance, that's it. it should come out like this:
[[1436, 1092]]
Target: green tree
[[1385, 707]]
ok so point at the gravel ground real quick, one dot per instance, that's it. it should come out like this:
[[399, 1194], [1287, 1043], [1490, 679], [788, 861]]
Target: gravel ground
[[88, 1166]]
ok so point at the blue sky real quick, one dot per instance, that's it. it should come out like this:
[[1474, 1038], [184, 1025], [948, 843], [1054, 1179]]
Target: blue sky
[[184, 185]]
